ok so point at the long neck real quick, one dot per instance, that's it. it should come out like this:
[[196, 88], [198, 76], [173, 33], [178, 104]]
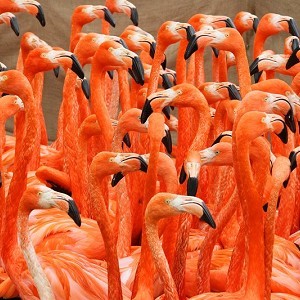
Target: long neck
[[154, 75], [181, 63], [251, 204], [124, 90], [98, 104], [35, 269], [75, 28], [101, 215], [160, 260], [242, 66], [258, 44]]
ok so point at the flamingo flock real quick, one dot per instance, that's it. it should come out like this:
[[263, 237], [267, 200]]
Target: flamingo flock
[[113, 209]]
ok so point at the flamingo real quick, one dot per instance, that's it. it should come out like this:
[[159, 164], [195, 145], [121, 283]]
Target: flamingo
[[163, 205], [30, 6]]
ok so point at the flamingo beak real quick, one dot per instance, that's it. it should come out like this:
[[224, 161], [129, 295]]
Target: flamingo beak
[[293, 59], [295, 44], [254, 66], [146, 111], [293, 160], [283, 135], [108, 17], [56, 72], [255, 24], [164, 63], [110, 74], [191, 47], [190, 31], [289, 120], [85, 88], [257, 76], [118, 176], [233, 92], [207, 217], [192, 186], [74, 213], [293, 28], [215, 51], [14, 25], [182, 175], [76, 67], [134, 17], [229, 23], [167, 141], [40, 15], [137, 71], [126, 140], [166, 83], [152, 49], [122, 42]]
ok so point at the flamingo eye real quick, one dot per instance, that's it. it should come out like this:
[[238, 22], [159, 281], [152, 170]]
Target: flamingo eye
[[227, 34], [168, 201], [287, 93], [179, 92], [217, 152], [39, 193], [3, 78], [266, 99], [43, 55]]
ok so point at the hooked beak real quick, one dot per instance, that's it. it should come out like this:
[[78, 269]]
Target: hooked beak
[[152, 49], [207, 217], [85, 88], [76, 67], [293, 28], [134, 17], [293, 59], [126, 140], [191, 47], [164, 63], [167, 141], [74, 213], [215, 51], [283, 135], [56, 72], [14, 25], [108, 17], [146, 111], [137, 71], [190, 31], [192, 186], [166, 81], [219, 138], [182, 176], [254, 66], [295, 44], [255, 24], [233, 92], [293, 160], [40, 15], [289, 120], [118, 176], [229, 23]]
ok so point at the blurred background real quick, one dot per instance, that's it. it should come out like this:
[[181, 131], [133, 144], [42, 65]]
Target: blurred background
[[151, 15]]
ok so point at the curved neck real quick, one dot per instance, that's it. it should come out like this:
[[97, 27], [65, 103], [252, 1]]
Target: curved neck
[[160, 260], [181, 63], [258, 44], [253, 215], [154, 75], [100, 212], [35, 269], [75, 28], [242, 66], [99, 106], [199, 67]]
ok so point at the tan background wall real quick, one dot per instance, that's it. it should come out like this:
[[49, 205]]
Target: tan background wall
[[152, 13]]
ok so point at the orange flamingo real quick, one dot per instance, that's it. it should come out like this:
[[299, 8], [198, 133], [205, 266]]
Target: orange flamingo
[[245, 21], [164, 205], [30, 6], [84, 14]]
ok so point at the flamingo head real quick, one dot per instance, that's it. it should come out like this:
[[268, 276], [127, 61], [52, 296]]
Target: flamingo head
[[10, 20]]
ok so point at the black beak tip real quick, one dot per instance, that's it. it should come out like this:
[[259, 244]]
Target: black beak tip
[[229, 23], [116, 178], [255, 24], [295, 44], [257, 76], [152, 49], [233, 92], [283, 135], [166, 83], [167, 112], [15, 26], [191, 47], [254, 66], [108, 17], [74, 213], [137, 71], [134, 17], [85, 88], [293, 28], [289, 120], [40, 15], [56, 72], [126, 140], [190, 31], [76, 67], [167, 141], [143, 166], [293, 160], [293, 59], [192, 186], [182, 175], [110, 74], [215, 51], [207, 217], [146, 111]]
